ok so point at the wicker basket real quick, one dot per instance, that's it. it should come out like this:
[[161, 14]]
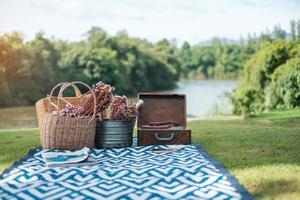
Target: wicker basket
[[42, 106], [68, 133]]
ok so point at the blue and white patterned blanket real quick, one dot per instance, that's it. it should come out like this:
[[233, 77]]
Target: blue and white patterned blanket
[[125, 173]]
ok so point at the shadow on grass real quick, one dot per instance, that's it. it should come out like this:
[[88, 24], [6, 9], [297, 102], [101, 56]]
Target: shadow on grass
[[275, 188]]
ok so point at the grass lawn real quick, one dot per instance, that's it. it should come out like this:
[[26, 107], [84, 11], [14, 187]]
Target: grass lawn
[[14, 144], [263, 152]]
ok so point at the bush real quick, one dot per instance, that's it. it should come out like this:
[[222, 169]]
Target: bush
[[272, 79], [286, 84], [247, 100]]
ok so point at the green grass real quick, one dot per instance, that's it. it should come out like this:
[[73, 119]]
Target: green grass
[[14, 144], [263, 152]]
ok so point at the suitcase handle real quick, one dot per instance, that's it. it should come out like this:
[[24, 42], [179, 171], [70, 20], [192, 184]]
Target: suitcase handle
[[164, 139]]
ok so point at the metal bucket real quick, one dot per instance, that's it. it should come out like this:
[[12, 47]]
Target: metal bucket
[[110, 134]]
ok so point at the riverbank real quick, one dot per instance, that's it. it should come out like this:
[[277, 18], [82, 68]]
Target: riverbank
[[205, 98], [262, 152]]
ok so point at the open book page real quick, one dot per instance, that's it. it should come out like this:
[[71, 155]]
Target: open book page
[[54, 158]]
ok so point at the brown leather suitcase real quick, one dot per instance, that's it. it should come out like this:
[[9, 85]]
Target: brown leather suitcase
[[162, 119]]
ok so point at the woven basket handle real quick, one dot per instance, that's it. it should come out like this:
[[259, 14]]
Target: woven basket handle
[[62, 85], [77, 91], [65, 86]]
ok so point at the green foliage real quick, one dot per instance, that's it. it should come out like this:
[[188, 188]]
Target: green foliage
[[298, 29], [28, 70], [42, 67], [293, 29], [219, 60], [12, 55], [279, 33], [247, 100], [286, 84], [271, 79]]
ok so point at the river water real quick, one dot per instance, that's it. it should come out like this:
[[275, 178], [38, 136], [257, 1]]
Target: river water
[[207, 97], [204, 98]]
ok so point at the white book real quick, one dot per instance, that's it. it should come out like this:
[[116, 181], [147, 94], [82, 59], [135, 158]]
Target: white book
[[87, 162], [61, 159]]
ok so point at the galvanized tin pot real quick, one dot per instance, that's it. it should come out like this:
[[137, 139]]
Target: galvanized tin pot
[[110, 134]]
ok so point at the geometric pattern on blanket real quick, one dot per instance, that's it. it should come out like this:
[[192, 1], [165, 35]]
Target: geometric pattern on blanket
[[124, 173]]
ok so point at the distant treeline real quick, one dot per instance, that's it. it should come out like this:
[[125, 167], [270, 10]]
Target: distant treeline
[[29, 69]]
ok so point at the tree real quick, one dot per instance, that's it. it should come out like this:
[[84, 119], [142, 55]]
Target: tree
[[265, 37], [185, 58], [129, 64], [42, 68], [278, 32], [293, 29], [298, 29], [12, 56]]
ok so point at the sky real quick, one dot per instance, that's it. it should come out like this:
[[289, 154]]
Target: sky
[[184, 20]]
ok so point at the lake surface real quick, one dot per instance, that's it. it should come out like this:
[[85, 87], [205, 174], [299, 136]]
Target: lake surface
[[204, 98], [207, 97]]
